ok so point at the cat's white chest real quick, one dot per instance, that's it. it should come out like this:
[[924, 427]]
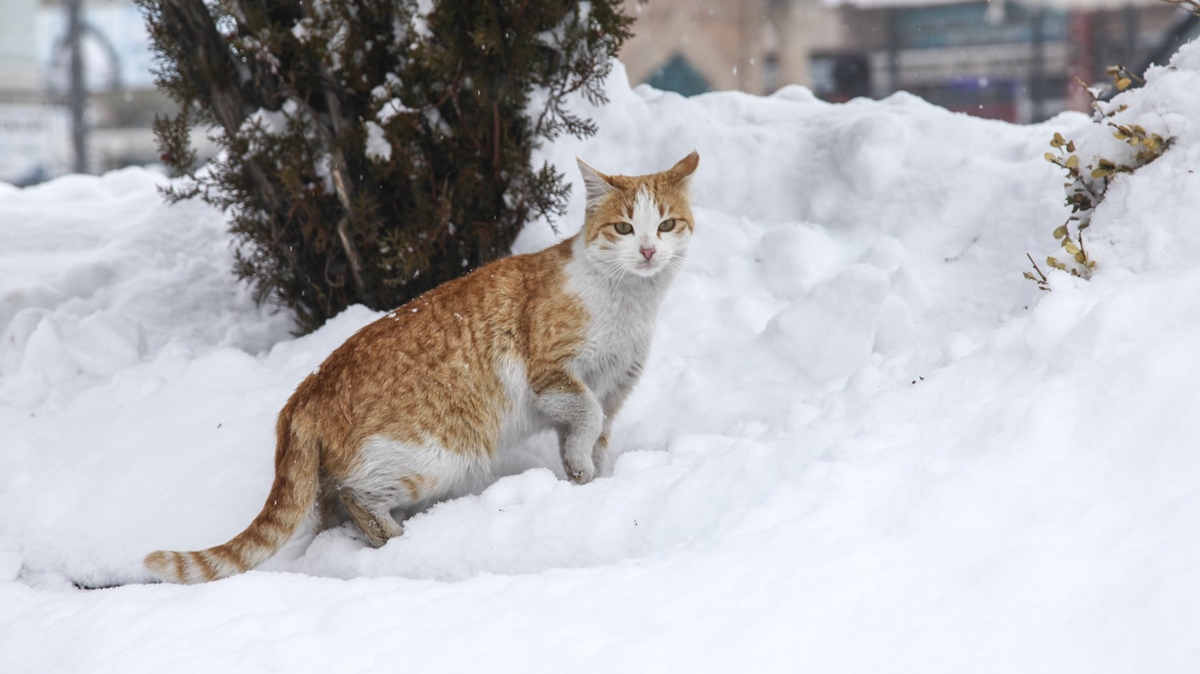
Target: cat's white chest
[[622, 318], [614, 346]]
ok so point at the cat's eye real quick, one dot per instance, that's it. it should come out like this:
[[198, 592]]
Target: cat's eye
[[666, 225], [623, 227]]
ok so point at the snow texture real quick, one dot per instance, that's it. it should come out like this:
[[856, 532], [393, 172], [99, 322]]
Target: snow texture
[[378, 147], [863, 442]]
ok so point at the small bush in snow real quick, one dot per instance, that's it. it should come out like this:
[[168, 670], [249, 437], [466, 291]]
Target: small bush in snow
[[1088, 184], [373, 150]]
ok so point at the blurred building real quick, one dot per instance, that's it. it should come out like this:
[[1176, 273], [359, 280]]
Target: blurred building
[[1006, 60], [33, 136], [693, 46], [120, 100]]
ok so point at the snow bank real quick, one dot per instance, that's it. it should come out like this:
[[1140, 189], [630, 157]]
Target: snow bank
[[863, 442]]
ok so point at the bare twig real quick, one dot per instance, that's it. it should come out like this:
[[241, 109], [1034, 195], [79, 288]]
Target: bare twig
[[1042, 282]]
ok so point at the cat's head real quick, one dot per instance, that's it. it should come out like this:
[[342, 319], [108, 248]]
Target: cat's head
[[638, 224]]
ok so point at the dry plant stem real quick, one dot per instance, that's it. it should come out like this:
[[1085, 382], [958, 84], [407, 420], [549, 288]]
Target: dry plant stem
[[1041, 280]]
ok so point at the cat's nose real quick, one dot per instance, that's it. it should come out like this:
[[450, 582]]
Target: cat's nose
[[647, 252]]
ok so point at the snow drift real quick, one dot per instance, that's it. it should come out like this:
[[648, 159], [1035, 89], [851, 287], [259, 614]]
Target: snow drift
[[863, 441]]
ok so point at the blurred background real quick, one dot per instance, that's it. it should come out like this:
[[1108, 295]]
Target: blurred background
[[77, 93]]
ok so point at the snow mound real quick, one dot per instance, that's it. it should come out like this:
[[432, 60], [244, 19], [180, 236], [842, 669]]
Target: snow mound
[[863, 441]]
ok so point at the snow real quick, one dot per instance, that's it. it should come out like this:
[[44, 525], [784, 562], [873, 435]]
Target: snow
[[392, 108], [389, 105], [377, 147], [863, 441], [420, 18]]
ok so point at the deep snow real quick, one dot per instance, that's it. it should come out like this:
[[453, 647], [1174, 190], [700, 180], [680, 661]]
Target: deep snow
[[863, 442]]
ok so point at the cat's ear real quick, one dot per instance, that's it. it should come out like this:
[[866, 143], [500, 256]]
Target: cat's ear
[[596, 183], [685, 167]]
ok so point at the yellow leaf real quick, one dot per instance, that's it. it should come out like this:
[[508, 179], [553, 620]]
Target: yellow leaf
[[1060, 232], [1123, 83], [1072, 162], [1051, 158], [1070, 247], [1080, 257]]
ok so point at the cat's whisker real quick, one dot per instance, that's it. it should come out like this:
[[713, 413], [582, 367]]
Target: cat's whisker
[[612, 270], [676, 263]]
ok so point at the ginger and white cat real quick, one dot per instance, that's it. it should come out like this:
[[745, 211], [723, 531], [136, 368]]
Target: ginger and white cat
[[422, 400]]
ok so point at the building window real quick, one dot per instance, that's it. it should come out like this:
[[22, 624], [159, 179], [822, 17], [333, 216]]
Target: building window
[[679, 76], [841, 77]]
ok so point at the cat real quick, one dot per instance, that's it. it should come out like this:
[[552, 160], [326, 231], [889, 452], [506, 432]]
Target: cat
[[420, 402]]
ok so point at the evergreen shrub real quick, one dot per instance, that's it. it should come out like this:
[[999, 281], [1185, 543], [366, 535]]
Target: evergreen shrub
[[373, 149]]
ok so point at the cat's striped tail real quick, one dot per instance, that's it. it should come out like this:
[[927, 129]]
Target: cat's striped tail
[[297, 460]]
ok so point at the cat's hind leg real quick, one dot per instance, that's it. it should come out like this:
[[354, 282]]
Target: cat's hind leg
[[372, 516], [391, 474], [329, 513]]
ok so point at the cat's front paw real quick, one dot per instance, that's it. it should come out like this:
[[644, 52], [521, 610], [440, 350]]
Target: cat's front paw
[[580, 471]]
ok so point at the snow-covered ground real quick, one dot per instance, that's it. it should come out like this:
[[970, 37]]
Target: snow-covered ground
[[864, 443]]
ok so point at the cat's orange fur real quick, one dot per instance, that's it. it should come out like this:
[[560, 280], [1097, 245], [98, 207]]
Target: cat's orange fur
[[410, 405]]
